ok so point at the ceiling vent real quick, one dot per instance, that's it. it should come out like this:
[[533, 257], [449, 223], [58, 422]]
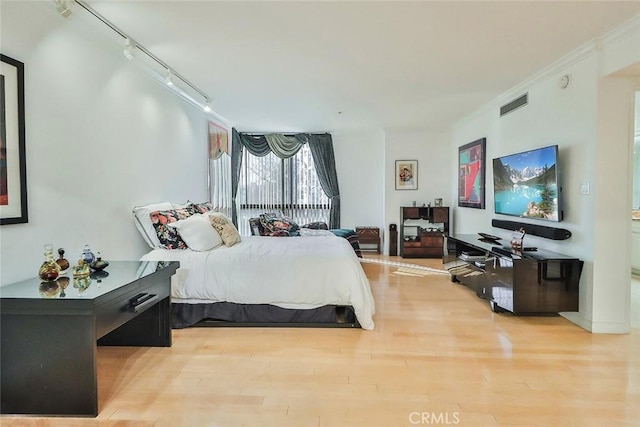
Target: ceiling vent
[[514, 105]]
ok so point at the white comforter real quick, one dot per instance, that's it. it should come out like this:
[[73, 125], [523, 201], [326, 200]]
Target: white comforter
[[289, 272]]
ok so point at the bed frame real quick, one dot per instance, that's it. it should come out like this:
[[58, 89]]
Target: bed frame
[[227, 314]]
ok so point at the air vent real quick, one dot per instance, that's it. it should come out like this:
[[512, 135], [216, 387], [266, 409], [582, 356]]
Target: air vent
[[514, 105]]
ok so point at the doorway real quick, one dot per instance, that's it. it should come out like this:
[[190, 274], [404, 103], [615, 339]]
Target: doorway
[[635, 226]]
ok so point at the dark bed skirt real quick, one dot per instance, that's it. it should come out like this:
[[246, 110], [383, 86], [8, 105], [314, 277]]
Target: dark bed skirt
[[232, 314]]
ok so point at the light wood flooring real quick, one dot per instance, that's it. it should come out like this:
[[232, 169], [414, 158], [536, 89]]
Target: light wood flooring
[[438, 356]]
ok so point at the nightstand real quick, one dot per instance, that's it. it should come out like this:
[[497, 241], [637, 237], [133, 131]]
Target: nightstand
[[49, 339], [369, 236]]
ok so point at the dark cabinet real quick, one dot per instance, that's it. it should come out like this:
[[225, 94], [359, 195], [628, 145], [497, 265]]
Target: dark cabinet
[[422, 231], [526, 283]]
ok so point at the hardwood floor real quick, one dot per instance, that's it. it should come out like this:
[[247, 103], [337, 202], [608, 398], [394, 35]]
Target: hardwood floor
[[438, 356]]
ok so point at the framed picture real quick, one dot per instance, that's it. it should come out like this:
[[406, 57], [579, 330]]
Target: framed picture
[[218, 140], [13, 169], [471, 174], [406, 174]]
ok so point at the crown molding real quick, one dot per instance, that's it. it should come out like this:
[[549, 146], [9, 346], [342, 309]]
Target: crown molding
[[624, 31]]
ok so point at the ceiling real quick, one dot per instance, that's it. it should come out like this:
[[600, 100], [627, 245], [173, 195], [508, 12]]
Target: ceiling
[[317, 66]]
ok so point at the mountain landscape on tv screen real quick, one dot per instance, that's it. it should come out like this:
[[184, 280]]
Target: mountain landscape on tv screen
[[528, 191], [505, 176]]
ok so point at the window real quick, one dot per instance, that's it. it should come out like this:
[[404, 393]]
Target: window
[[269, 184]]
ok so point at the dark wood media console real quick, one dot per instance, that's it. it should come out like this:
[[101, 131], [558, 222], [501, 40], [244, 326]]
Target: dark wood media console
[[524, 283]]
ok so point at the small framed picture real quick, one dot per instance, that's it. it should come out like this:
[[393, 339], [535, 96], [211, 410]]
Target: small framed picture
[[406, 174]]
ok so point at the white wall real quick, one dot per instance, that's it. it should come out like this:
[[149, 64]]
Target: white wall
[[591, 121], [101, 137], [430, 149], [360, 168]]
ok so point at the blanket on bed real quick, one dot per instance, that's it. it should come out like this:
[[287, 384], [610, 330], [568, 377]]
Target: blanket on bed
[[298, 273], [351, 237]]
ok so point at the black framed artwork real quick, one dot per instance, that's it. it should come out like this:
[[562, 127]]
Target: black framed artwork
[[13, 170], [471, 174]]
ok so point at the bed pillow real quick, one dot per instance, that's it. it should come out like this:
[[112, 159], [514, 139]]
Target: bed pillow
[[224, 226], [318, 225], [197, 232], [256, 227], [181, 205], [142, 219], [274, 224], [169, 237], [202, 207]]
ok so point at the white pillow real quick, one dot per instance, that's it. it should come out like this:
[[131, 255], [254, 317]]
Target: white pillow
[[198, 233], [144, 224]]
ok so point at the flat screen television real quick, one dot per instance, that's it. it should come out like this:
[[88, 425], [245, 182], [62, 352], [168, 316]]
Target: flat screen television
[[526, 184]]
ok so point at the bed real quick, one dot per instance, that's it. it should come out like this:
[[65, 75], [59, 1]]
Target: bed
[[315, 280]]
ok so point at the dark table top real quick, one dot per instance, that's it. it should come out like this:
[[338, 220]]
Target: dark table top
[[502, 247], [99, 283]]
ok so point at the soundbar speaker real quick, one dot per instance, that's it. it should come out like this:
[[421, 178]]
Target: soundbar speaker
[[533, 229]]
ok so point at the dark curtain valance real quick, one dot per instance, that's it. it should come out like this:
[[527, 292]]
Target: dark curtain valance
[[282, 146]]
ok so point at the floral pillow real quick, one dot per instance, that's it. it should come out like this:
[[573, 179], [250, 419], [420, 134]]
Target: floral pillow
[[318, 225], [169, 237], [201, 207], [276, 223]]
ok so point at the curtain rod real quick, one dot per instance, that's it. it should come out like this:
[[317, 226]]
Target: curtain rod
[[283, 133]]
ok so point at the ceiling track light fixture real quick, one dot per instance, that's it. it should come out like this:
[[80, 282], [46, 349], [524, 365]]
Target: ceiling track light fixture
[[133, 48], [129, 48], [62, 6], [169, 79]]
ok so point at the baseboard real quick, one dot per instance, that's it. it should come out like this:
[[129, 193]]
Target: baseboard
[[597, 327], [578, 319]]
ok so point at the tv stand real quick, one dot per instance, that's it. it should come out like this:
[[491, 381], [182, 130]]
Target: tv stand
[[524, 283]]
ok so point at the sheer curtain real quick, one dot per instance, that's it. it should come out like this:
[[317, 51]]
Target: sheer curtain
[[270, 184], [220, 184], [294, 174]]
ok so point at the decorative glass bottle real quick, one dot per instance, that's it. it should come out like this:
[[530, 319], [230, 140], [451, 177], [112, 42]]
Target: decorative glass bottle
[[62, 262], [87, 255], [49, 270]]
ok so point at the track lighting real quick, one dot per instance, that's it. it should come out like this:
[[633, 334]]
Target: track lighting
[[169, 78], [63, 8], [129, 46], [134, 49]]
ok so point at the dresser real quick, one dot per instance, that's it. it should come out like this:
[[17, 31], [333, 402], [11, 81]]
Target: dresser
[[422, 231]]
